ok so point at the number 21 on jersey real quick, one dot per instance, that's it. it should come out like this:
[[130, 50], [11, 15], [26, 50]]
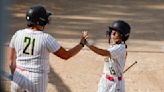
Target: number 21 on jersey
[[29, 45]]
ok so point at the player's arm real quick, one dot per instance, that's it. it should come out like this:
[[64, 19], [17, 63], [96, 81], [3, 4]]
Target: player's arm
[[64, 54], [95, 49], [12, 59], [99, 51]]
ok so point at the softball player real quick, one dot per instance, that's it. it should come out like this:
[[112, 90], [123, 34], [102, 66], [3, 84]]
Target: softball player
[[112, 78], [29, 52]]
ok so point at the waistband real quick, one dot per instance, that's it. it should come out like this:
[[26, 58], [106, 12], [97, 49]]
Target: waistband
[[22, 69], [113, 78]]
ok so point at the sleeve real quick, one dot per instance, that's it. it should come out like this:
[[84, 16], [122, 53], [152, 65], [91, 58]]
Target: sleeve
[[51, 44], [11, 45], [116, 51]]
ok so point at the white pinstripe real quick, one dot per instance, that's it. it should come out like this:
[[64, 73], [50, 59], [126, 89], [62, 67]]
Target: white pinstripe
[[33, 59]]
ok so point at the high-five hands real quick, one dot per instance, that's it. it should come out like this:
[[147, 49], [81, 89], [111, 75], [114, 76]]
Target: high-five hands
[[84, 37]]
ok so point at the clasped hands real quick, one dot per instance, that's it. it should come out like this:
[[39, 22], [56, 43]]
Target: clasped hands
[[84, 37]]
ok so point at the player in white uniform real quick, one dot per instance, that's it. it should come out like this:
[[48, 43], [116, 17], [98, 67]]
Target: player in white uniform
[[112, 78], [29, 52]]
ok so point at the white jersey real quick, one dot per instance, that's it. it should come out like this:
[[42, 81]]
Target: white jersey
[[32, 49], [114, 66]]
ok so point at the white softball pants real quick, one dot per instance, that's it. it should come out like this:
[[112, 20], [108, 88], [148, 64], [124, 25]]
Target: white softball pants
[[25, 81], [106, 85]]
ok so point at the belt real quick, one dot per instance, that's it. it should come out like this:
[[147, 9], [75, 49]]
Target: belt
[[112, 78], [22, 69]]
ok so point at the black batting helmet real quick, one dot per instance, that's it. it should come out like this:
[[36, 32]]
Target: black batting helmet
[[37, 15], [122, 27]]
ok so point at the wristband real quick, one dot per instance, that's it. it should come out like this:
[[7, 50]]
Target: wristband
[[82, 44]]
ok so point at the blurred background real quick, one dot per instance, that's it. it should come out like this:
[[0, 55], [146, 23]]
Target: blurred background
[[70, 17]]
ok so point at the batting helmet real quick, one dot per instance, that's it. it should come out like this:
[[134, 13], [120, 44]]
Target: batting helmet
[[37, 15], [122, 27]]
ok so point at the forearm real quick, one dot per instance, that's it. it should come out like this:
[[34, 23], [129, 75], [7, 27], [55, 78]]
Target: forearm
[[64, 54], [99, 51], [12, 58], [12, 64], [12, 67], [74, 50]]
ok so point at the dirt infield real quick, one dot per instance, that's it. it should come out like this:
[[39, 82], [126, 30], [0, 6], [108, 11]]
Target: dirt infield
[[82, 72]]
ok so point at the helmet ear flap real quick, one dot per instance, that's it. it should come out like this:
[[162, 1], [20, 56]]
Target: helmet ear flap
[[48, 14]]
